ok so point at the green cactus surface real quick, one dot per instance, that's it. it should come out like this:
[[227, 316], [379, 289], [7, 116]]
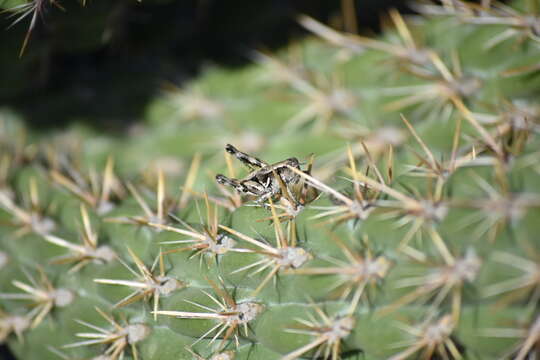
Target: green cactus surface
[[346, 198]]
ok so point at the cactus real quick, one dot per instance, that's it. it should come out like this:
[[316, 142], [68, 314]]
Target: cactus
[[389, 209]]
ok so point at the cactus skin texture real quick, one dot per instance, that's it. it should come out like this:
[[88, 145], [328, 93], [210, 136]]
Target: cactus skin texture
[[408, 229]]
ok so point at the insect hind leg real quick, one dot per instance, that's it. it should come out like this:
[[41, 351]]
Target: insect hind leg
[[223, 180], [237, 185], [250, 161]]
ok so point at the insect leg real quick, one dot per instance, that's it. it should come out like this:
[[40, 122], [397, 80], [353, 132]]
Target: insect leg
[[223, 180], [240, 186], [250, 161], [268, 193]]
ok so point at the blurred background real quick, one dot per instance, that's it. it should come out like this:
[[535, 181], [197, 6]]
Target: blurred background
[[102, 61]]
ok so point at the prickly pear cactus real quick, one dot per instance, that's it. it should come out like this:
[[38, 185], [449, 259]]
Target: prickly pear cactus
[[349, 198]]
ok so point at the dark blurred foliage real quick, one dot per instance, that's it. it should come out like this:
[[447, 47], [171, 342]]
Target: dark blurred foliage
[[5, 354], [104, 61]]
